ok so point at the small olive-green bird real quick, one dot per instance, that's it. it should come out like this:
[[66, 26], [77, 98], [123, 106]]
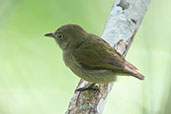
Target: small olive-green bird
[[90, 57]]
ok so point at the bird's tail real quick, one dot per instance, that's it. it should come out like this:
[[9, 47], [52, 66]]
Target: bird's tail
[[132, 70]]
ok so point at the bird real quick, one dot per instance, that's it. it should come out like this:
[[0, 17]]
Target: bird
[[90, 57]]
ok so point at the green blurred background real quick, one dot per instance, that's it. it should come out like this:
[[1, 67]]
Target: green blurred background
[[34, 79]]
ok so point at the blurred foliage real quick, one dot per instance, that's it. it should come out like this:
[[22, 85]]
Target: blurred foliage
[[34, 79]]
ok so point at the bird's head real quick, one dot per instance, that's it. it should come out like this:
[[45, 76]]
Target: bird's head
[[68, 36]]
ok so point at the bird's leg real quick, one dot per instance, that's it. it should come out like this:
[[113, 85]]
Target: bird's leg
[[90, 87]]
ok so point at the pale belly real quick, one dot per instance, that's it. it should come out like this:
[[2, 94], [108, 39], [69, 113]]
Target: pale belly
[[97, 76]]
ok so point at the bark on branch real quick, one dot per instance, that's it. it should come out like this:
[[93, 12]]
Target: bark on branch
[[122, 24]]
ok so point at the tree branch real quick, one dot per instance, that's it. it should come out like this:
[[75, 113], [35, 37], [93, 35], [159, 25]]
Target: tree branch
[[122, 24]]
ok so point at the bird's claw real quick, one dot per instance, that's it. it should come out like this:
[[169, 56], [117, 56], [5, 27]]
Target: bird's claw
[[90, 87]]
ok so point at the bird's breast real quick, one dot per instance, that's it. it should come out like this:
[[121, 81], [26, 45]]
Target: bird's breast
[[72, 63]]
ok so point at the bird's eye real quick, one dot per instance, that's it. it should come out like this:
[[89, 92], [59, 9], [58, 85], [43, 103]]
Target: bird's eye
[[60, 36]]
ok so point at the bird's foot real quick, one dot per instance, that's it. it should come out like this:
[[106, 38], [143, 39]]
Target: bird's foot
[[90, 87]]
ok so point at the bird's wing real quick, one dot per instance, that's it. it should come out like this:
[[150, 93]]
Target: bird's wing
[[95, 53]]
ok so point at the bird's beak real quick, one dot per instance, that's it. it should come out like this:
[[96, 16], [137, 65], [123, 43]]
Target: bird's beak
[[50, 35]]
